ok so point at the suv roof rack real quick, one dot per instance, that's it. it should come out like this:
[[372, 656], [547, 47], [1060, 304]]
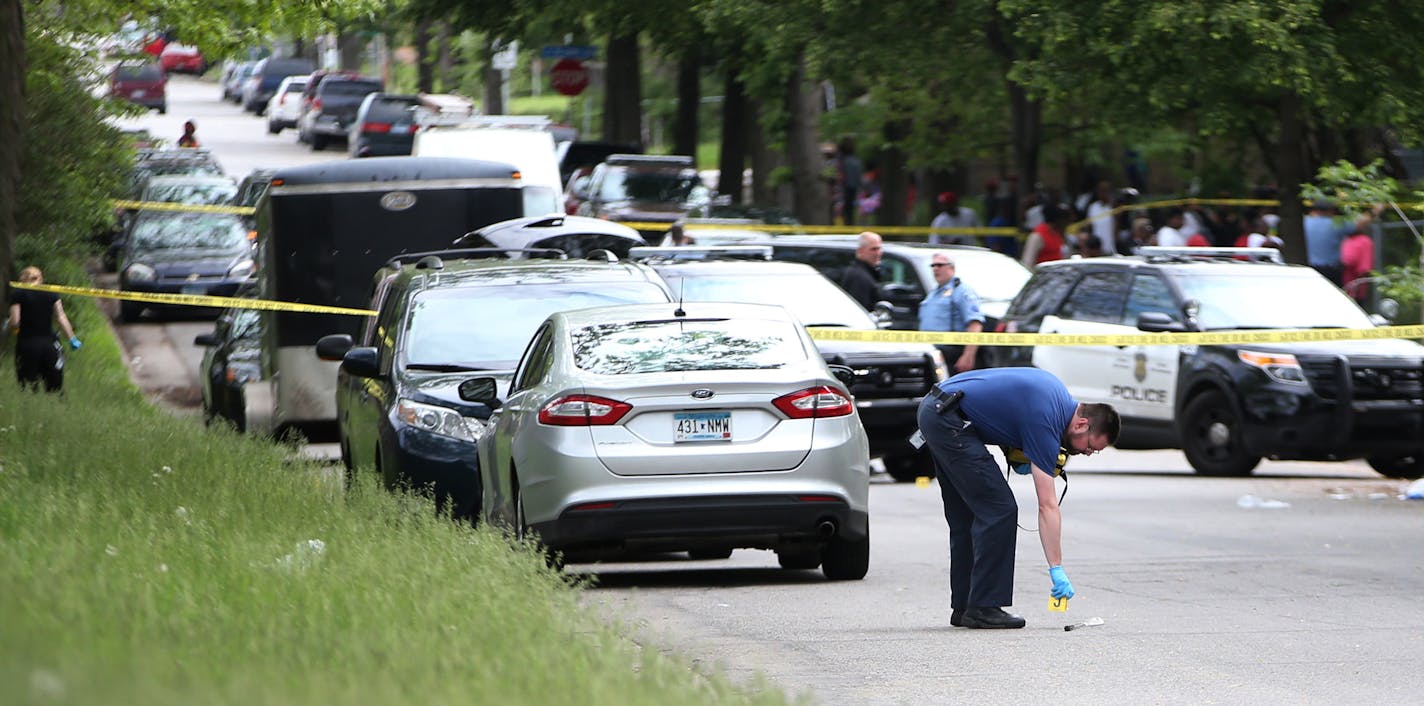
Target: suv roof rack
[[1159, 253], [438, 256], [680, 160], [702, 252]]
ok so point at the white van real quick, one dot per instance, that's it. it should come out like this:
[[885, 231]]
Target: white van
[[523, 141]]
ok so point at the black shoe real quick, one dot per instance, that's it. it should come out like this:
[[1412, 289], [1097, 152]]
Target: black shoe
[[956, 617], [991, 618]]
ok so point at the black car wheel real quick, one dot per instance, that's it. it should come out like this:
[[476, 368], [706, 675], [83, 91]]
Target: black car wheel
[[129, 312], [1405, 467], [704, 554], [906, 468], [318, 143], [1211, 437], [846, 559], [798, 559]]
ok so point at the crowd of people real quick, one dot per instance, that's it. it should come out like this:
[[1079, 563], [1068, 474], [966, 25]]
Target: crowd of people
[[1103, 221]]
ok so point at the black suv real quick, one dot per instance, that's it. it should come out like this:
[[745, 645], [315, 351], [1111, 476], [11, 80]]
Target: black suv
[[890, 378], [403, 392], [1226, 406]]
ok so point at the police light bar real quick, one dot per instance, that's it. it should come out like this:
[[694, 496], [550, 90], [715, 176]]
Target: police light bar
[[1270, 254], [702, 252]]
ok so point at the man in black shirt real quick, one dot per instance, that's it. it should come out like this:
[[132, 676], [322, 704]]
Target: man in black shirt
[[37, 351], [861, 278]]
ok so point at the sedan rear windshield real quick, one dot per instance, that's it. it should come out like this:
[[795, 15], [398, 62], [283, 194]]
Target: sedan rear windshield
[[390, 109], [138, 73], [486, 328], [189, 231], [650, 184], [686, 345], [349, 88]]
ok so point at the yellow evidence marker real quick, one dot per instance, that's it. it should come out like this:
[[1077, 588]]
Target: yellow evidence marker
[[1058, 605]]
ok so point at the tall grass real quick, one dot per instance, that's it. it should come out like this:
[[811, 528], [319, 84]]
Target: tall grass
[[146, 560]]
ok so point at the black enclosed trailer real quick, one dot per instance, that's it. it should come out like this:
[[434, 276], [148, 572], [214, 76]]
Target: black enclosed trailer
[[322, 232]]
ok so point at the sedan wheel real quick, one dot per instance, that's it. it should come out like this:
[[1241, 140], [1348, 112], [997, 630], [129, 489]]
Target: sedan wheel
[[846, 559], [1404, 467], [907, 468], [1211, 437]]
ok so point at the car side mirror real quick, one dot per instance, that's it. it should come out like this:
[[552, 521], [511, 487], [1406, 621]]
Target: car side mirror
[[480, 390], [1389, 309], [361, 362], [1158, 322], [334, 346], [883, 314], [844, 373], [206, 340]]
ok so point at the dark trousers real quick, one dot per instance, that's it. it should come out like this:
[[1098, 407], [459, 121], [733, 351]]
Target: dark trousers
[[37, 359], [979, 507]]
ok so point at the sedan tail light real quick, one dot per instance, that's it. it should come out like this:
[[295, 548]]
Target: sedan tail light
[[375, 127], [583, 411], [814, 402], [316, 104]]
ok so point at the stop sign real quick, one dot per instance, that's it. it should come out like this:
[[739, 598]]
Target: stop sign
[[569, 77]]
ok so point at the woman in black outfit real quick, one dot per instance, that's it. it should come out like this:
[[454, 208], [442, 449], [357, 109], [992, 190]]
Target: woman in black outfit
[[37, 351]]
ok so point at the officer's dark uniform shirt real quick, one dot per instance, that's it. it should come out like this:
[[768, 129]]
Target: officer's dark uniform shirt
[[860, 281], [1025, 408], [36, 312]]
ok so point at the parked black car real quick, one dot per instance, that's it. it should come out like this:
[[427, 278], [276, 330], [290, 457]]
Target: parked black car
[[332, 108], [402, 400], [265, 78], [384, 126], [232, 359], [175, 252]]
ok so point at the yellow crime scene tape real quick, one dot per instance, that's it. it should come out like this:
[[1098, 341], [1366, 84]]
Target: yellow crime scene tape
[[186, 207], [1201, 338], [194, 300], [839, 334]]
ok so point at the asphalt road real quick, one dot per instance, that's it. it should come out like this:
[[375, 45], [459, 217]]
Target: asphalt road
[[1203, 600]]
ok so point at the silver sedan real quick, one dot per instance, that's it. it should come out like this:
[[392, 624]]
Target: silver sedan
[[703, 429]]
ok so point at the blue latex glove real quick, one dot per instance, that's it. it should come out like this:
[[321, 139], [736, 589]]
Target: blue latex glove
[[74, 342], [1062, 588], [1023, 469]]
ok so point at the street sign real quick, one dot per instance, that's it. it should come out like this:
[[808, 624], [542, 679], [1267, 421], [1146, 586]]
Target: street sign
[[580, 52], [507, 57], [569, 77]]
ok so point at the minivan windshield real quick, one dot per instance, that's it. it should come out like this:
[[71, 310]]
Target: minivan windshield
[[1238, 300], [189, 231], [488, 327]]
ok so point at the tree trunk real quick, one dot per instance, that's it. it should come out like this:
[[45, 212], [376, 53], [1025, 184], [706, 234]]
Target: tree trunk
[[732, 159], [493, 83], [1028, 136], [1291, 161], [424, 61], [894, 177], [764, 160], [12, 128], [446, 61], [803, 149], [689, 101], [623, 92], [351, 46]]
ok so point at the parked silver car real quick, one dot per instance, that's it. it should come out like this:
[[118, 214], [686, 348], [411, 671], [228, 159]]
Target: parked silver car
[[701, 428]]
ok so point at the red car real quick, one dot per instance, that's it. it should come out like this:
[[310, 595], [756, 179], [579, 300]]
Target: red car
[[181, 58], [144, 84]]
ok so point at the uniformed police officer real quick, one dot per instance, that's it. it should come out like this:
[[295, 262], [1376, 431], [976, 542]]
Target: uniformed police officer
[[1023, 408], [952, 306]]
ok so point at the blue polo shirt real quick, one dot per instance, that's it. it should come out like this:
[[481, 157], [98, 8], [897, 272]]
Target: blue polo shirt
[[1025, 408], [950, 307]]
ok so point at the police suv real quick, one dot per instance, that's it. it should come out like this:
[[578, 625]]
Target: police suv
[[1226, 406]]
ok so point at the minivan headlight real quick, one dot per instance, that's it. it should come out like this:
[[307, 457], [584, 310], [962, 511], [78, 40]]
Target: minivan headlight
[[139, 272], [1282, 367], [241, 270], [440, 420]]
